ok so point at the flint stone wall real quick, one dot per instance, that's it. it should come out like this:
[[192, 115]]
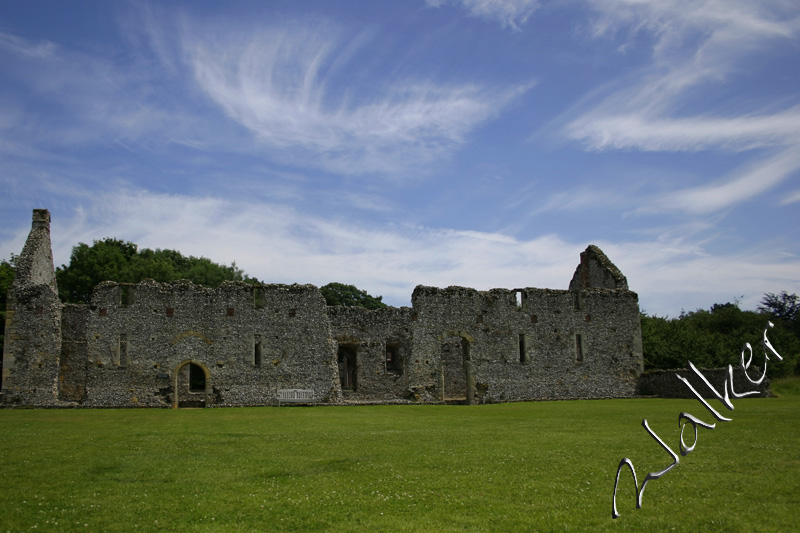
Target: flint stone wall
[[141, 336], [374, 334], [522, 344]]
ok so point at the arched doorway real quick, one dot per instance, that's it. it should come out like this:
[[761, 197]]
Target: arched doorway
[[192, 385], [457, 383]]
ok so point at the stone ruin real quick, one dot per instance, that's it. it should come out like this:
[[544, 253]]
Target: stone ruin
[[178, 344]]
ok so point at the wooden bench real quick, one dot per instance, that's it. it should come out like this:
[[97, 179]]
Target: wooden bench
[[296, 396]]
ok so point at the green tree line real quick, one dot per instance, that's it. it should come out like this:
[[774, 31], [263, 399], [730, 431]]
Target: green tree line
[[714, 338]]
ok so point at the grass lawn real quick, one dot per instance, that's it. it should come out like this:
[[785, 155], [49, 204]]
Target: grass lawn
[[513, 467]]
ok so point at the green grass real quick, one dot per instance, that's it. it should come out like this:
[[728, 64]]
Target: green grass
[[512, 467]]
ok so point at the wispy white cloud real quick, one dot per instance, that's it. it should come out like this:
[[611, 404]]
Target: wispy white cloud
[[698, 31], [792, 198], [75, 99], [696, 47], [684, 275], [19, 46], [687, 134], [583, 199], [282, 89], [758, 178], [694, 43], [511, 13], [285, 86]]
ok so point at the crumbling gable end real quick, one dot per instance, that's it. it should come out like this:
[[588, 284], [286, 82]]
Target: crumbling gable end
[[596, 271]]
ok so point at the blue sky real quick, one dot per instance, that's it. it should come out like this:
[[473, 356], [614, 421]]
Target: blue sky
[[482, 143]]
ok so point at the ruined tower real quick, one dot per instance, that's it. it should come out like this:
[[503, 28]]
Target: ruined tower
[[33, 322]]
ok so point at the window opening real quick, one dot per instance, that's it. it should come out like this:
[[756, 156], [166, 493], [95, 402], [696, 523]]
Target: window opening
[[579, 347], [123, 349], [257, 351], [126, 293], [577, 301], [519, 295], [393, 362], [523, 349]]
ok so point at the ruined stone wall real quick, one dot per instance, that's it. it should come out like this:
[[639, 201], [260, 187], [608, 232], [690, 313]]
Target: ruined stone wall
[[248, 341], [382, 343], [665, 383], [171, 344], [523, 344]]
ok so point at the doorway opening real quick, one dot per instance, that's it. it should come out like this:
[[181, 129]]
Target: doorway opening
[[456, 363], [348, 366], [191, 386]]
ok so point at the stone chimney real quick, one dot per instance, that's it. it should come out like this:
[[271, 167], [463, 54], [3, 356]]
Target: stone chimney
[[41, 219]]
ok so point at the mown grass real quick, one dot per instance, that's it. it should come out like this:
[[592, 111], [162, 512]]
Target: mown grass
[[544, 466]]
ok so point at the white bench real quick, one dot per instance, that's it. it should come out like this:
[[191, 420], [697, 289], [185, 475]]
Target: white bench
[[296, 396]]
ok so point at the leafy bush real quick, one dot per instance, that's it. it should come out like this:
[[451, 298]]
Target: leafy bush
[[350, 295]]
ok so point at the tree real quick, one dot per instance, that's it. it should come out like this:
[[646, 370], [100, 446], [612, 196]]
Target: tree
[[116, 260], [350, 295], [784, 307]]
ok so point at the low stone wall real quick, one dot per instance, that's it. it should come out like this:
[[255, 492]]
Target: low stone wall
[[665, 383]]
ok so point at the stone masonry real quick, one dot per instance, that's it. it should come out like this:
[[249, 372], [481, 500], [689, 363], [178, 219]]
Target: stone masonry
[[177, 344]]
